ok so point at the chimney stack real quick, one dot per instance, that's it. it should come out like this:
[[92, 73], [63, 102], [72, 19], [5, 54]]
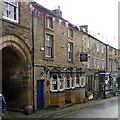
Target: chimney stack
[[84, 28], [58, 12]]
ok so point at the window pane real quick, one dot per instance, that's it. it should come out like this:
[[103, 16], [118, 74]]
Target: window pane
[[68, 81], [10, 9], [77, 79], [5, 9], [49, 22], [13, 2], [70, 33], [49, 51], [54, 82], [11, 12], [49, 45]]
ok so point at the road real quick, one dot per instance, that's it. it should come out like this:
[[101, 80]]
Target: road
[[103, 110]]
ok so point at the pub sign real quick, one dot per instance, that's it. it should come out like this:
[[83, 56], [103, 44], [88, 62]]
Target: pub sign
[[83, 57]]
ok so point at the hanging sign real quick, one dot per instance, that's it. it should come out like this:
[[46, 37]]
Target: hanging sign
[[83, 57]]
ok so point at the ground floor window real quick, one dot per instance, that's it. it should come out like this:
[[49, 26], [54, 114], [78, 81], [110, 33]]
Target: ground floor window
[[68, 81], [77, 80], [54, 82], [61, 82], [57, 82], [73, 81]]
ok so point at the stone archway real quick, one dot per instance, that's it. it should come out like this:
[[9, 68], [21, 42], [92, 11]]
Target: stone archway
[[16, 85]]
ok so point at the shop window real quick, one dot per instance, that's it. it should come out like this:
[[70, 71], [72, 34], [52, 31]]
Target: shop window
[[61, 82], [10, 10], [67, 81], [72, 81], [57, 82], [54, 82], [77, 80]]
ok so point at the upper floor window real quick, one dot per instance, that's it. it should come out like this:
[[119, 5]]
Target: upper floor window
[[98, 47], [49, 46], [70, 51], [103, 64], [88, 64], [49, 22], [10, 10], [70, 33], [88, 42], [98, 63], [102, 49]]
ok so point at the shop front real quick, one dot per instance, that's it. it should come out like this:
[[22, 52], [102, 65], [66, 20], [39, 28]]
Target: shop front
[[67, 86], [104, 84]]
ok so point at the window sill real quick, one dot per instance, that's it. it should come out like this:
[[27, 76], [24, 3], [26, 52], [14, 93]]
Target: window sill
[[57, 91], [11, 20], [72, 88], [48, 28], [69, 61], [49, 58], [70, 38]]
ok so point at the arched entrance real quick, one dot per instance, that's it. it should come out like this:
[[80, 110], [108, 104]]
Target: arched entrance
[[15, 73]]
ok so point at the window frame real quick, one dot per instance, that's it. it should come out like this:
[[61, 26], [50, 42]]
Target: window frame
[[49, 22], [49, 46], [70, 33], [70, 51], [73, 80], [68, 79], [51, 83], [13, 5]]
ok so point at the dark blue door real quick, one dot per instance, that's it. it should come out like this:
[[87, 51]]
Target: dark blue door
[[39, 94]]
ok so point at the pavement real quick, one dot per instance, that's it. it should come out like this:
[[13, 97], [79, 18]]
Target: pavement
[[56, 112]]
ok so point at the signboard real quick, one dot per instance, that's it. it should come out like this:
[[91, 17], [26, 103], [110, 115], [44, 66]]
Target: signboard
[[47, 83], [83, 57]]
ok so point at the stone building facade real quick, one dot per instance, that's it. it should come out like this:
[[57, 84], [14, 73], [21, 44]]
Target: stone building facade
[[15, 44], [57, 76]]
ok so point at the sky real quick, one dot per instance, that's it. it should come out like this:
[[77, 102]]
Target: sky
[[101, 16]]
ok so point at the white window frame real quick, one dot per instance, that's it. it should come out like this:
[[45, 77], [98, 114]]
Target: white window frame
[[98, 48], [70, 51], [89, 59], [77, 78], [63, 82], [88, 44], [70, 32], [49, 21], [68, 79], [10, 4], [102, 49], [103, 64], [51, 83], [50, 47], [82, 81], [98, 63], [72, 79]]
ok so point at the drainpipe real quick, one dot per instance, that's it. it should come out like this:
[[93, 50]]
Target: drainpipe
[[33, 59], [106, 58]]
